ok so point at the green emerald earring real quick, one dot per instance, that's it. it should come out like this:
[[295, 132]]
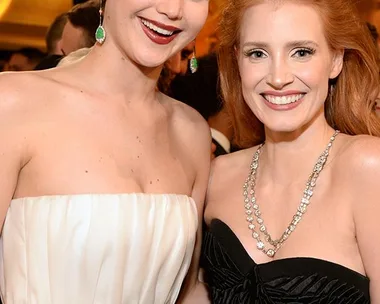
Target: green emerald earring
[[193, 62], [100, 34]]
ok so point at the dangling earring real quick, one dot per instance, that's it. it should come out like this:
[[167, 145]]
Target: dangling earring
[[193, 63], [100, 34]]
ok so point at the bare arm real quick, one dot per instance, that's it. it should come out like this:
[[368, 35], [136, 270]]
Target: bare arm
[[193, 291], [367, 210], [12, 141]]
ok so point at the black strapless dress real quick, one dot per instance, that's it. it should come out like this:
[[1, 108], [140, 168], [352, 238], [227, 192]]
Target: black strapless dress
[[233, 277]]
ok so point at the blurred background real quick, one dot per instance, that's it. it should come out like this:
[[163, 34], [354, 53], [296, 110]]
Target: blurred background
[[24, 23]]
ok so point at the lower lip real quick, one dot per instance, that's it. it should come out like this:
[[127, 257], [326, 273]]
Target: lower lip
[[377, 108], [283, 107], [156, 38]]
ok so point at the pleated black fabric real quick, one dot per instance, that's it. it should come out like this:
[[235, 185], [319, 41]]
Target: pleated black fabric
[[233, 277]]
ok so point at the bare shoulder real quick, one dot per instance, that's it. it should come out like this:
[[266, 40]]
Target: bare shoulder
[[24, 96], [13, 80], [360, 154], [17, 106], [15, 92], [227, 169], [188, 122], [193, 136], [19, 87], [186, 114], [358, 162], [234, 163], [29, 92], [13, 84]]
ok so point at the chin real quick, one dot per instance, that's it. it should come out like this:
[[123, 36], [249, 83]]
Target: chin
[[283, 127], [152, 57], [150, 60], [150, 64], [283, 130]]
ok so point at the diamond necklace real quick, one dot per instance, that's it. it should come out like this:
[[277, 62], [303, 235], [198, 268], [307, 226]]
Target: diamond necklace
[[250, 202]]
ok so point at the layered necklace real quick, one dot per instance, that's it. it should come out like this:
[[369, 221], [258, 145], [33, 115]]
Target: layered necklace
[[253, 212]]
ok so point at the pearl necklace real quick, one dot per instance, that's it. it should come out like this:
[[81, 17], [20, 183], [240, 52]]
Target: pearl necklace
[[252, 209]]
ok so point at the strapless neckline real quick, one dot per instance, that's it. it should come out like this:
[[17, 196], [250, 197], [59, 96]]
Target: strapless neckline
[[88, 248], [121, 194], [234, 277], [288, 260]]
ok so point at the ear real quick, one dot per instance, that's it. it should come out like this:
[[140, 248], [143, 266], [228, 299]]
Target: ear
[[337, 63]]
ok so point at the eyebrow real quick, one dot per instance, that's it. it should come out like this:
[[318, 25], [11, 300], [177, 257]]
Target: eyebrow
[[291, 44]]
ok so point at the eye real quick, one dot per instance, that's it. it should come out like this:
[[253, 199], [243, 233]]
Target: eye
[[303, 52], [255, 54]]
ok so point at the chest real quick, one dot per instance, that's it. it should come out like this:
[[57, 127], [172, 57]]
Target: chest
[[110, 151], [324, 229]]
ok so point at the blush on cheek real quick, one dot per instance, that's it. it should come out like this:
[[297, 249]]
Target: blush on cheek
[[312, 75]]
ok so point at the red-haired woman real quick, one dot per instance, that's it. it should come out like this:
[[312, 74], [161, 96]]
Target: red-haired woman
[[294, 218]]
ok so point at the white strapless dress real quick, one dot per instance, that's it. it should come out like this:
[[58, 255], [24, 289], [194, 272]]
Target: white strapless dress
[[104, 249]]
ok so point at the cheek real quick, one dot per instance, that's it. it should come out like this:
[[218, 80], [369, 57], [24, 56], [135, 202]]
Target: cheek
[[318, 83], [251, 74], [249, 84], [315, 76], [196, 15]]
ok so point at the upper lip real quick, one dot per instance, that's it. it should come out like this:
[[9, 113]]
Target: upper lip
[[163, 26], [282, 93]]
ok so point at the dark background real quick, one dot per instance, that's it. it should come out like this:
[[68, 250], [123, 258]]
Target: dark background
[[4, 54]]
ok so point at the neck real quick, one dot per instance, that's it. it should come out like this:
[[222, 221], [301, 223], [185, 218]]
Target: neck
[[116, 75], [288, 158]]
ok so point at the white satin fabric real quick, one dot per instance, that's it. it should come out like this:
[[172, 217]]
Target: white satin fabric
[[104, 249]]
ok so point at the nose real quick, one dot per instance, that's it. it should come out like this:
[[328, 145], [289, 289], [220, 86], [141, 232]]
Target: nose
[[280, 74], [173, 9]]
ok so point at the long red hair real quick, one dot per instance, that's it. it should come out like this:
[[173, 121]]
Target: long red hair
[[348, 108]]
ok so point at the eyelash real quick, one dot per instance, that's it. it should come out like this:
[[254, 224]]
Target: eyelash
[[251, 52], [308, 51]]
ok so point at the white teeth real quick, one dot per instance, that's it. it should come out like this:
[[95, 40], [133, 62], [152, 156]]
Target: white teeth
[[283, 100], [156, 28]]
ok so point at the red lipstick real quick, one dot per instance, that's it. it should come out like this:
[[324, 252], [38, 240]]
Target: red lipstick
[[157, 37]]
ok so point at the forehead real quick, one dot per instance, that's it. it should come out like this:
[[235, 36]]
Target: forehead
[[281, 21]]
